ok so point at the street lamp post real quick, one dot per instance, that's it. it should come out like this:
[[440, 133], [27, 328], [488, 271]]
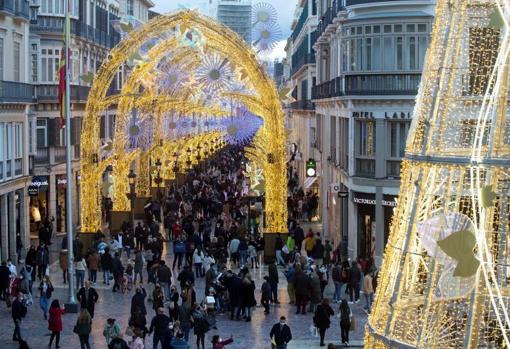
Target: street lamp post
[[132, 195], [158, 178]]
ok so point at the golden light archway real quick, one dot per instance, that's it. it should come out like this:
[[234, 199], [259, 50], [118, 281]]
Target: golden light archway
[[182, 39]]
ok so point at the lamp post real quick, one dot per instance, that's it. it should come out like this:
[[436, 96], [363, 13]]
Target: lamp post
[[132, 195], [158, 178]]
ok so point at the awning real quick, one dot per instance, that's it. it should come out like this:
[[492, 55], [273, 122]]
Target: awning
[[309, 182]]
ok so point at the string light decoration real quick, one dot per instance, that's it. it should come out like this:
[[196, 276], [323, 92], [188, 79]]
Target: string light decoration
[[445, 277], [182, 40]]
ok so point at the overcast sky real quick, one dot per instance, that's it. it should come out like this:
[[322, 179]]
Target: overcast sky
[[285, 9]]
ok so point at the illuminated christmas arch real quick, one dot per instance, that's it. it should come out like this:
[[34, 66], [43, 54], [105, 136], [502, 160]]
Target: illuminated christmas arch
[[185, 72]]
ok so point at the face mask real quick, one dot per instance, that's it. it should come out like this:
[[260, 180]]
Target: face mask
[[282, 322]]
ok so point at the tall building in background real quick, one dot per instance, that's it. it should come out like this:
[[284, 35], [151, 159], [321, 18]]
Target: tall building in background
[[236, 14]]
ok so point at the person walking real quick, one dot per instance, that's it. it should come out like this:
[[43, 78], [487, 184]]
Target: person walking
[[106, 265], [111, 330], [45, 292], [200, 326], [93, 263], [80, 266], [248, 296], [345, 321], [265, 297], [302, 289], [117, 271], [281, 334], [55, 322], [368, 291], [83, 328], [354, 282], [315, 289], [289, 275], [138, 267], [64, 265], [273, 281], [336, 276], [164, 275], [321, 319], [138, 300], [198, 258], [159, 325], [42, 259], [87, 296], [278, 246], [18, 312], [5, 280]]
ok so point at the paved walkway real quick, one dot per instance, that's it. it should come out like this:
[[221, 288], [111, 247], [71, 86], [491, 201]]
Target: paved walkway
[[246, 335]]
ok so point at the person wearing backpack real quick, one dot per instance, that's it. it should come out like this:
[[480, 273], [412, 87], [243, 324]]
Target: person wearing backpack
[[321, 318], [345, 321], [336, 276], [179, 251]]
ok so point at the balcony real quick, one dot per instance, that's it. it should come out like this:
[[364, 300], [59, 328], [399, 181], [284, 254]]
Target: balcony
[[308, 58], [18, 8], [16, 92], [59, 154], [304, 104], [42, 157], [401, 84], [47, 24], [328, 89], [329, 16], [49, 93]]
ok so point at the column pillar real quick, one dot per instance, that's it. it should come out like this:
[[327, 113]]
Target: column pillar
[[379, 226], [12, 226], [4, 227], [52, 197], [352, 251], [25, 221]]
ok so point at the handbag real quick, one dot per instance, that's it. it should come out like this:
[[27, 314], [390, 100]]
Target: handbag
[[75, 329], [353, 324]]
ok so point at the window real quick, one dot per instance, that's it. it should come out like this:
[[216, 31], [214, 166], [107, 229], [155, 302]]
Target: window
[[18, 141], [369, 53], [1, 58], [411, 57], [400, 53], [2, 146], [130, 7], [31, 130], [388, 54], [41, 133], [397, 138], [366, 137], [17, 63], [50, 64]]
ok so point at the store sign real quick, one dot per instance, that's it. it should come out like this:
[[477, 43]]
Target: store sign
[[369, 199], [39, 184]]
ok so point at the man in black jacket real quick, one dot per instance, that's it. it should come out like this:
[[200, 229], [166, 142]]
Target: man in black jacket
[[273, 281], [138, 301], [19, 311], [87, 296], [280, 334], [164, 276], [4, 281], [159, 325], [117, 271]]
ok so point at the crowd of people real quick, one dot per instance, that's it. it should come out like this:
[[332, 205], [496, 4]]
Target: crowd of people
[[204, 224]]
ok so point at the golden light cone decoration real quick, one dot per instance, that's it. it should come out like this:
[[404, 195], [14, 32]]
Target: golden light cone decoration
[[140, 96], [444, 281]]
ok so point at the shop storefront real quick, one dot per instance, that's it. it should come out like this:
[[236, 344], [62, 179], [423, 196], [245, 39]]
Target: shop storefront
[[38, 191], [366, 209]]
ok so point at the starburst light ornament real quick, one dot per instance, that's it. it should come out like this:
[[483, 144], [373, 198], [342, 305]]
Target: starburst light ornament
[[263, 12], [140, 133], [266, 36], [215, 74]]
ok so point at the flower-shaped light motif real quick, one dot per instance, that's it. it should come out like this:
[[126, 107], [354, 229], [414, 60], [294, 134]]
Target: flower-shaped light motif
[[140, 133], [263, 12], [191, 37], [215, 74], [266, 36], [242, 128], [124, 25], [171, 78]]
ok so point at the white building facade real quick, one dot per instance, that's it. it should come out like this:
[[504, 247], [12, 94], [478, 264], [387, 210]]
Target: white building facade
[[301, 112], [16, 127], [92, 38], [369, 56]]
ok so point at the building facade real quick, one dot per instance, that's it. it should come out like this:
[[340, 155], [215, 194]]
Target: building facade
[[236, 14], [93, 36], [301, 111], [369, 57], [17, 96]]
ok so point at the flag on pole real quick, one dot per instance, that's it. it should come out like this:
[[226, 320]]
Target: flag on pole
[[62, 72]]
